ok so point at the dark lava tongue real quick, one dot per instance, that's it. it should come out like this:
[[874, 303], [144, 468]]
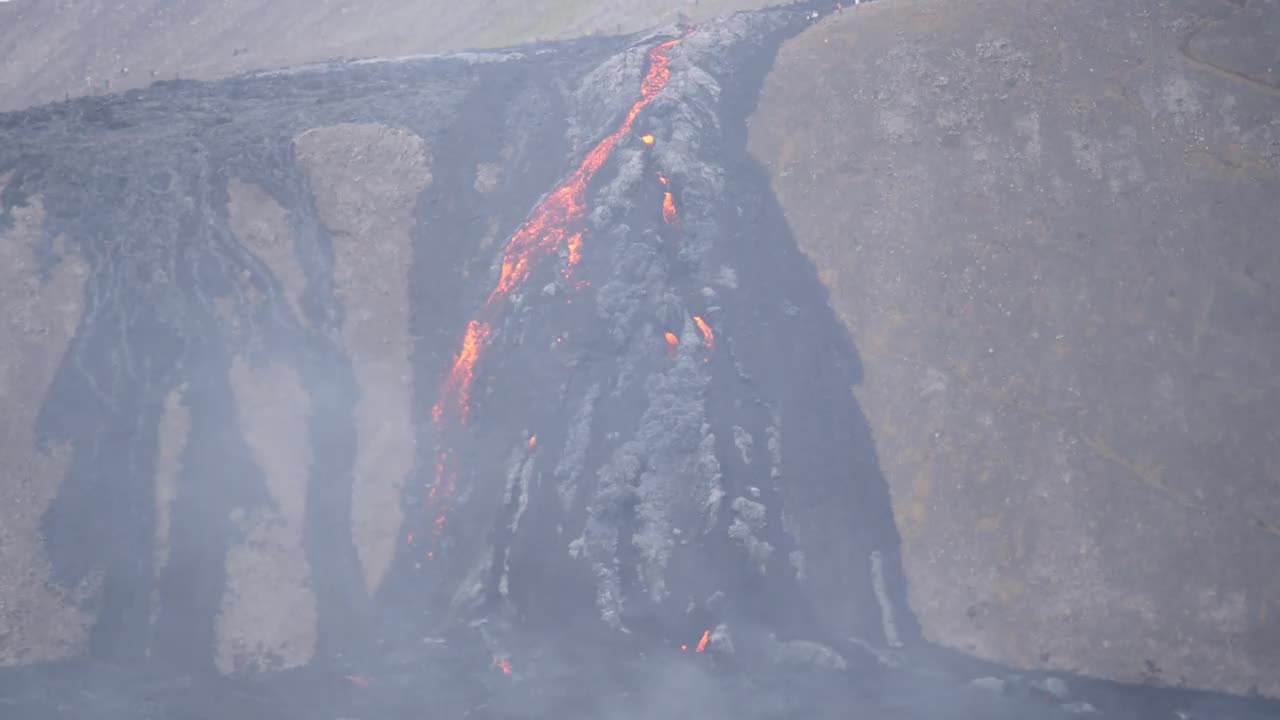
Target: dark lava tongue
[[645, 433]]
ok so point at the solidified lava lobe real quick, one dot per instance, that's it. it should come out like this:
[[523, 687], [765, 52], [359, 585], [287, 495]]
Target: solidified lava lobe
[[556, 221]]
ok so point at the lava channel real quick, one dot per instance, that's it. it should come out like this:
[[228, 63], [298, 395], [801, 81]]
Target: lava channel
[[556, 221]]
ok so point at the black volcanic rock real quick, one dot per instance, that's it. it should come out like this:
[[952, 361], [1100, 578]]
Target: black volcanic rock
[[726, 486]]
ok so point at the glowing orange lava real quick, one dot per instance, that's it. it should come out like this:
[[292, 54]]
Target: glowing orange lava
[[503, 664], [555, 220], [533, 441], [457, 385], [672, 340], [668, 202], [646, 139], [669, 208], [708, 337], [702, 643], [575, 254]]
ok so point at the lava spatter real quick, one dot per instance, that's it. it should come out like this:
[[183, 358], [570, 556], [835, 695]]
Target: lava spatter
[[555, 222]]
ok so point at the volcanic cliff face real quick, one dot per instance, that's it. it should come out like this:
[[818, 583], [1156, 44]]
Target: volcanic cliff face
[[492, 384], [467, 348], [1051, 232]]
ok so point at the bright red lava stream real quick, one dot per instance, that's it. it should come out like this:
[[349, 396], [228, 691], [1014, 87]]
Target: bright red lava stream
[[555, 221]]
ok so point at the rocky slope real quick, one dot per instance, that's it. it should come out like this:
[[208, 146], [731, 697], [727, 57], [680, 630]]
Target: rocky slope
[[492, 383], [50, 51], [335, 391], [1050, 231]]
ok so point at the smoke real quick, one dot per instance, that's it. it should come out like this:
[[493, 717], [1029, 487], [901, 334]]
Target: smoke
[[676, 689]]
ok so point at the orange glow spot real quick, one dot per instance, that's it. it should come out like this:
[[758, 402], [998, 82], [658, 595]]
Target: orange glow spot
[[684, 648], [503, 664], [646, 139], [533, 441], [662, 178], [669, 209], [702, 644], [708, 336], [552, 222], [672, 340]]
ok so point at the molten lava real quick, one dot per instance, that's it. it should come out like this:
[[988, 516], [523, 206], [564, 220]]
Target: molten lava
[[702, 643], [533, 441], [557, 220], [708, 337], [646, 139], [575, 253], [457, 385], [503, 664], [669, 209], [669, 214], [671, 338]]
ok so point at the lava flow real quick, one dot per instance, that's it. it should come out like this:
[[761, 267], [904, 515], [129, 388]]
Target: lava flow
[[556, 221], [708, 337], [702, 643], [668, 203], [673, 342]]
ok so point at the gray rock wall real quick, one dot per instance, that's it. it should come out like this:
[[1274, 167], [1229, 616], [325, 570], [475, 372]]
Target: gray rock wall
[[1051, 230]]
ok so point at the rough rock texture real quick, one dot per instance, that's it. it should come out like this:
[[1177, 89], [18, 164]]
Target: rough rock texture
[[647, 500], [1050, 229], [268, 615], [206, 406], [39, 621], [366, 180], [281, 267], [49, 51], [262, 225]]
